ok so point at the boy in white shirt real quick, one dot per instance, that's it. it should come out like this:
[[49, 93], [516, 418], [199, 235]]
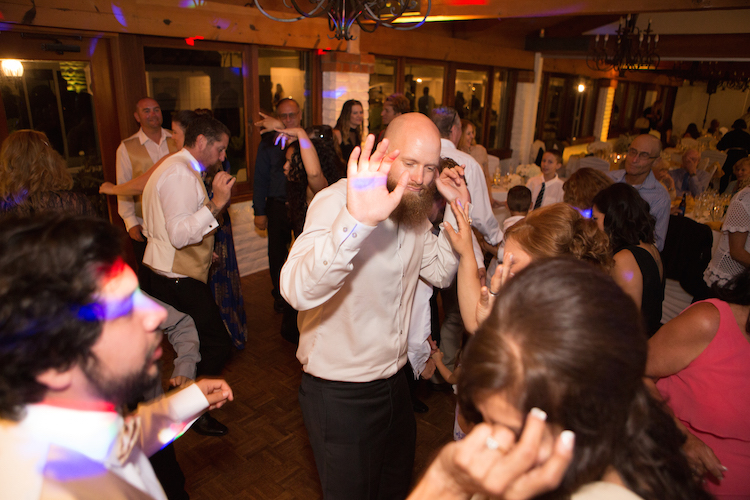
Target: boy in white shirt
[[546, 188]]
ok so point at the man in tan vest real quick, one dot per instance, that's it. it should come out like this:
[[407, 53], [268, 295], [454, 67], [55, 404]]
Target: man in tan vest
[[180, 220], [135, 155]]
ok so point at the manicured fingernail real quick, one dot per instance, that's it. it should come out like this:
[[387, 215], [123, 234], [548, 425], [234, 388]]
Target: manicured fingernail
[[724, 468], [539, 414], [568, 439]]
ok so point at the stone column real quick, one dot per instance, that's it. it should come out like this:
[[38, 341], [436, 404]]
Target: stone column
[[604, 102], [346, 76]]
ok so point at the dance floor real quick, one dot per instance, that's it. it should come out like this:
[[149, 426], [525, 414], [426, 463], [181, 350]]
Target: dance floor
[[266, 454]]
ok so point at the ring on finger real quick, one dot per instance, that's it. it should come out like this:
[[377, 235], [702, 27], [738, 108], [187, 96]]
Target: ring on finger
[[491, 443]]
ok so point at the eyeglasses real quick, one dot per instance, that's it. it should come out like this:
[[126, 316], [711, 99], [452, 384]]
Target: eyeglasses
[[642, 155]]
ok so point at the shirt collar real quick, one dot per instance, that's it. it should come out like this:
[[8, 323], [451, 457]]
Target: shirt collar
[[447, 144], [91, 433], [143, 138]]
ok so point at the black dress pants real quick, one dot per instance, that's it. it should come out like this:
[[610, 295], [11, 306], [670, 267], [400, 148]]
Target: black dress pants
[[194, 298], [279, 239], [363, 436]]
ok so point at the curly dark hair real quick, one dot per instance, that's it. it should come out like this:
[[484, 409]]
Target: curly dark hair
[[565, 338], [49, 269], [627, 220], [333, 169]]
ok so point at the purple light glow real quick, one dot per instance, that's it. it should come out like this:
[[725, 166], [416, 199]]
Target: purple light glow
[[117, 12], [367, 183], [334, 94]]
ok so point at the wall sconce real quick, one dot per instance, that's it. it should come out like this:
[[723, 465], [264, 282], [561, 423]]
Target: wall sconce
[[581, 88], [12, 68]]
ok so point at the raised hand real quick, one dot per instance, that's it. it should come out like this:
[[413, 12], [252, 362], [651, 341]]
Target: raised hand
[[367, 197], [268, 123], [452, 185], [489, 461], [460, 241], [487, 295], [222, 187]]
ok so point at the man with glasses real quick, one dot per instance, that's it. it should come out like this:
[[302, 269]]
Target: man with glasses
[[269, 194], [643, 152]]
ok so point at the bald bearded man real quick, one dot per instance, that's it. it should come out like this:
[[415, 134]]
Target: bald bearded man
[[352, 275]]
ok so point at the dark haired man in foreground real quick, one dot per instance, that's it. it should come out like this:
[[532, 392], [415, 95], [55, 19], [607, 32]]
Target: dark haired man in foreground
[[77, 340]]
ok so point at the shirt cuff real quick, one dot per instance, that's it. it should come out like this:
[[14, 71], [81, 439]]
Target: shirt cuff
[[131, 222], [206, 218], [187, 403]]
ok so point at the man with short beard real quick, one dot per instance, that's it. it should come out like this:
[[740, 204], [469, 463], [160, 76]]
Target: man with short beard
[[77, 340], [352, 275]]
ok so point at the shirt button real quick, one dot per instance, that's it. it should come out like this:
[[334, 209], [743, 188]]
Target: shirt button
[[345, 229], [354, 235], [325, 262], [350, 266]]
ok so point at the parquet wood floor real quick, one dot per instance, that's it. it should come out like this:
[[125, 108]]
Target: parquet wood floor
[[266, 454]]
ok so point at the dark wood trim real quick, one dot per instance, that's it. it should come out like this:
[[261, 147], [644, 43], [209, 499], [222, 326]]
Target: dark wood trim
[[449, 88], [400, 74], [129, 68], [103, 83]]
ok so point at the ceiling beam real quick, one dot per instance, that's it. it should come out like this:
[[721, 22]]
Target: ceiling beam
[[499, 9]]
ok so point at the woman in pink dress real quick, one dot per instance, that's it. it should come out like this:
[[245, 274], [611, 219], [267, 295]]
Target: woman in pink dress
[[701, 361]]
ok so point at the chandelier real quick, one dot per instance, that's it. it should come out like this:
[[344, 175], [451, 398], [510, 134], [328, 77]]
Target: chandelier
[[342, 14], [631, 49]]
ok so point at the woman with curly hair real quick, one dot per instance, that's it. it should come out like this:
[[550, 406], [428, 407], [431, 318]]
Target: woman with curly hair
[[624, 216], [34, 178], [581, 187], [348, 129], [552, 231], [556, 370], [304, 168]]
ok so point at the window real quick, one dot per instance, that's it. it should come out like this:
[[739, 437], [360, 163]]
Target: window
[[281, 74], [423, 86], [499, 137], [55, 97], [190, 79], [471, 88], [382, 84]]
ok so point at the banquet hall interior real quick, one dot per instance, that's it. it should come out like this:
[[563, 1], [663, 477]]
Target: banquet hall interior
[[578, 76]]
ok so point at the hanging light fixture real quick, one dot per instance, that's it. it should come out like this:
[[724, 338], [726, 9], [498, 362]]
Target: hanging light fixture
[[12, 68], [342, 14], [630, 49]]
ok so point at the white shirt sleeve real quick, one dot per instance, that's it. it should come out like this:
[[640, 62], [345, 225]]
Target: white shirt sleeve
[[321, 258], [125, 204], [182, 198], [482, 216]]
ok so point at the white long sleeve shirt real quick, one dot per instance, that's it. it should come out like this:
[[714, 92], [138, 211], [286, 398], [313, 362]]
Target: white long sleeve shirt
[[175, 192], [125, 204], [482, 216], [354, 286], [71, 448]]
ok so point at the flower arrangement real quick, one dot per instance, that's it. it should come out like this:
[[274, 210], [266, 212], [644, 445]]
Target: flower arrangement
[[528, 171], [514, 180]]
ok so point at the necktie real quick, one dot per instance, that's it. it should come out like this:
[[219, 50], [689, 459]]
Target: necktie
[[538, 202]]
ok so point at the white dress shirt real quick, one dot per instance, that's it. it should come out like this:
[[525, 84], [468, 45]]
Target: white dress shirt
[[553, 191], [125, 204], [354, 286], [48, 432], [180, 193], [482, 216]]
